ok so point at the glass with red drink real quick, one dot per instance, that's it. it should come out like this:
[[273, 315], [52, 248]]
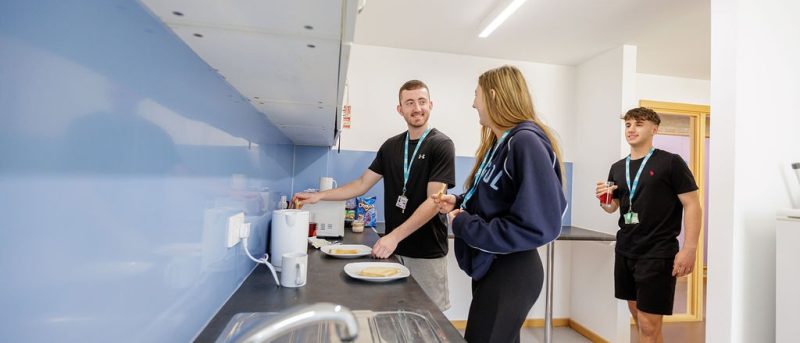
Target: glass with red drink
[[607, 198]]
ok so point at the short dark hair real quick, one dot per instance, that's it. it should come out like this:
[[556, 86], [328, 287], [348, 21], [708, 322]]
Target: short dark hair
[[642, 113], [411, 85]]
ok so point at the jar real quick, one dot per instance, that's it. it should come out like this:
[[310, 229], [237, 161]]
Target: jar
[[358, 226]]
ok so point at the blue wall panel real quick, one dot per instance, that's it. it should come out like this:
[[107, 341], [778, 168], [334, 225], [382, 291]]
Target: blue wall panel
[[121, 156]]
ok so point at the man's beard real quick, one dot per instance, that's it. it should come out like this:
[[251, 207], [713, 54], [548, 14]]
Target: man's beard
[[411, 122]]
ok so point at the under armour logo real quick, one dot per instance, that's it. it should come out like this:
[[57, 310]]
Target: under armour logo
[[421, 156]]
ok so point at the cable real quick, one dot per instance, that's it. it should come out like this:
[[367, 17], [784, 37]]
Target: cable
[[244, 232]]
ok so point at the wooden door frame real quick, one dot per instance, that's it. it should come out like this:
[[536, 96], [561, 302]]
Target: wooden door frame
[[698, 130]]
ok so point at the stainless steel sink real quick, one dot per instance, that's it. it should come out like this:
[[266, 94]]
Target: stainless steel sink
[[379, 327]]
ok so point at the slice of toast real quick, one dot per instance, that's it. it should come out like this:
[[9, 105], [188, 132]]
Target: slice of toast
[[379, 271], [345, 251]]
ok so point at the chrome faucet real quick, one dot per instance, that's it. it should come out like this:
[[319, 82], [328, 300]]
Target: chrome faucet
[[300, 316]]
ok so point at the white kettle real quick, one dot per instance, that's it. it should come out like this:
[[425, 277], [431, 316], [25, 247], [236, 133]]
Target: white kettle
[[289, 234]]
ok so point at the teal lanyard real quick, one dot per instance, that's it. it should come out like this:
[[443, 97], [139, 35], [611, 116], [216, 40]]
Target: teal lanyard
[[632, 189], [481, 170], [406, 162]]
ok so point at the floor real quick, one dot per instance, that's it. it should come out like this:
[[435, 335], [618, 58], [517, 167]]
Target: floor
[[560, 335], [673, 332]]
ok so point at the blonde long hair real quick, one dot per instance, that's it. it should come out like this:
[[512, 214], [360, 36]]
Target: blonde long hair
[[510, 106]]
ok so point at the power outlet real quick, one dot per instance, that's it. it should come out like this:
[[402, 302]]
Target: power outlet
[[235, 224]]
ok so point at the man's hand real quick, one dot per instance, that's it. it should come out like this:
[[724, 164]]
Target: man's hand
[[302, 198], [385, 246], [684, 262], [445, 202], [603, 189]]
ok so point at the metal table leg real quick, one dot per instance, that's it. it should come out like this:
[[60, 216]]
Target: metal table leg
[[548, 295]]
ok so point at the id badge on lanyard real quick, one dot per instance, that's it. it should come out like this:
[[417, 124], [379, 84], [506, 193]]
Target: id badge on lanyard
[[631, 217], [402, 200]]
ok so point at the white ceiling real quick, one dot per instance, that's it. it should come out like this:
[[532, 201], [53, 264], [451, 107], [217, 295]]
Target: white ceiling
[[673, 36], [287, 71]]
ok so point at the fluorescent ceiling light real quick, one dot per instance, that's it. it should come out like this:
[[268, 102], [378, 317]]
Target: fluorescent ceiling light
[[499, 17]]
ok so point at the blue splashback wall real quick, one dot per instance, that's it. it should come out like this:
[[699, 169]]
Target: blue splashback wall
[[311, 163], [121, 156]]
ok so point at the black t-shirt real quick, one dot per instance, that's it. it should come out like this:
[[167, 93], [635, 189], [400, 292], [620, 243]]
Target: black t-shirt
[[656, 201], [434, 162]]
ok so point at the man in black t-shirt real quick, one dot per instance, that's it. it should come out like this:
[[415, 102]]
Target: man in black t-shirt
[[653, 190], [414, 165]]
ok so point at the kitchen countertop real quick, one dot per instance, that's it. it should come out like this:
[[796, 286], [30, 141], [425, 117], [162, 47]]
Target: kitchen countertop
[[574, 233], [327, 282], [568, 233]]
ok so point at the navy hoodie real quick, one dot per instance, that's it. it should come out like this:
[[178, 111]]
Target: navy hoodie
[[517, 206]]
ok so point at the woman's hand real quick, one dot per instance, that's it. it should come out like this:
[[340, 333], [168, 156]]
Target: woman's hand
[[445, 202], [452, 216]]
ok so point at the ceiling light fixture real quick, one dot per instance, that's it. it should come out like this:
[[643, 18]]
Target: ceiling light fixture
[[498, 16]]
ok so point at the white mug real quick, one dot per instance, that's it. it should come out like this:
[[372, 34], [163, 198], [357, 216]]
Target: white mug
[[326, 183], [293, 269]]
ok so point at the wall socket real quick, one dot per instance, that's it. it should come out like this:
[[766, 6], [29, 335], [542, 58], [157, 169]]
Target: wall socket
[[235, 224]]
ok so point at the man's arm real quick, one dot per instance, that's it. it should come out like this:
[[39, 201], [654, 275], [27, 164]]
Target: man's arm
[[692, 221], [385, 246], [351, 190]]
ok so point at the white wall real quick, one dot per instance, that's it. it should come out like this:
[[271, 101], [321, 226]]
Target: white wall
[[673, 89], [606, 88], [376, 73], [754, 76], [601, 100]]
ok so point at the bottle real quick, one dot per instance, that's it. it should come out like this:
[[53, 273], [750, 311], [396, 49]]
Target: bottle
[[283, 204]]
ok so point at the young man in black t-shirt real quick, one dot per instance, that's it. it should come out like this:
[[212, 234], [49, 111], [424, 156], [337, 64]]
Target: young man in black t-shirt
[[662, 190], [414, 165]]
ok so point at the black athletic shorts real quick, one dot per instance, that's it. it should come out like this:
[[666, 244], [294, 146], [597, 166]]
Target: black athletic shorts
[[648, 281]]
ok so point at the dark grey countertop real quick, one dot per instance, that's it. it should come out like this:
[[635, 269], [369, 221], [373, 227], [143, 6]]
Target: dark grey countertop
[[568, 233], [327, 282], [574, 233]]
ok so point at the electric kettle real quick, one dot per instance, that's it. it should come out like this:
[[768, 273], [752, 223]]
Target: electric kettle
[[289, 234]]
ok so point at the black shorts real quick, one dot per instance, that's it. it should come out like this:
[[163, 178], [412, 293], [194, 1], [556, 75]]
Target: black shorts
[[648, 281]]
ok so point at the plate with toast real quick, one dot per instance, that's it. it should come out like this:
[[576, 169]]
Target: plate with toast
[[346, 250], [376, 271]]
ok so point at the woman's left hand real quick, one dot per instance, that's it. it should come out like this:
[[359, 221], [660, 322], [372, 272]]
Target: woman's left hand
[[452, 215]]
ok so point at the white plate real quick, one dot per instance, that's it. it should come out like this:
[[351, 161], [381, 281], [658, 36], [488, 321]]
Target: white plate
[[363, 250], [353, 270]]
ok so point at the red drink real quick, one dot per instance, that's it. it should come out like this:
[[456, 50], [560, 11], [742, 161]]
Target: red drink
[[607, 198]]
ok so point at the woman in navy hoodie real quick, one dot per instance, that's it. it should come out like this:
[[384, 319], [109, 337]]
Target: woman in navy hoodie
[[514, 204]]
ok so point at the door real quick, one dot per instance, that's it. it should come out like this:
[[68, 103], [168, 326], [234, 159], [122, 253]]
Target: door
[[684, 131]]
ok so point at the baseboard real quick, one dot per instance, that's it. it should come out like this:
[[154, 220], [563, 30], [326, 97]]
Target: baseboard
[[585, 332], [529, 323], [539, 323], [459, 324]]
